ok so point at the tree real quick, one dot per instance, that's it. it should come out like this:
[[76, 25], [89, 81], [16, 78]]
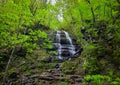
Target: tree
[[16, 18]]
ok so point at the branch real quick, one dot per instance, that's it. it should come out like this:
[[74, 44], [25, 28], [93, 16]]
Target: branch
[[92, 11], [8, 64]]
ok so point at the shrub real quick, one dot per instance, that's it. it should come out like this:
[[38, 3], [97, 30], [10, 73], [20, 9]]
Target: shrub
[[96, 79]]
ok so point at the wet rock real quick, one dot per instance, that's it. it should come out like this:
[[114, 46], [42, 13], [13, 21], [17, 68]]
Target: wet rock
[[57, 65], [74, 76], [78, 80], [63, 44]]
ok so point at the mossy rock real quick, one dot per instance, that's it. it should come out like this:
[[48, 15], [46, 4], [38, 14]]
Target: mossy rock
[[68, 67], [12, 73]]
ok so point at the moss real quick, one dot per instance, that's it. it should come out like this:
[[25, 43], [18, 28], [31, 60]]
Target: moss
[[12, 73], [68, 67]]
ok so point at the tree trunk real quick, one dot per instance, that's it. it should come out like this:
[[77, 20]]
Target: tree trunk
[[8, 64], [11, 55], [92, 11]]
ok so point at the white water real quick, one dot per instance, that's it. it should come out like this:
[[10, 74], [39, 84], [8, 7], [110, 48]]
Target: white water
[[71, 43], [65, 46], [59, 44]]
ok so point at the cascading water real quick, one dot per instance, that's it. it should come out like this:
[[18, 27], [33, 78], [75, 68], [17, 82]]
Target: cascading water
[[59, 44], [63, 45], [72, 47]]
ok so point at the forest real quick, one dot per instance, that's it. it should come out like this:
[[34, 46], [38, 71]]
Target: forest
[[26, 43]]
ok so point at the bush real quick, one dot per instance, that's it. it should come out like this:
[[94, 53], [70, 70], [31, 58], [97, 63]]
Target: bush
[[96, 80]]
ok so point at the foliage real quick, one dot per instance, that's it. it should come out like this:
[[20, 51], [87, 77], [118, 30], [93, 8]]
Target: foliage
[[69, 67], [90, 59], [97, 79], [24, 25], [116, 82], [17, 19]]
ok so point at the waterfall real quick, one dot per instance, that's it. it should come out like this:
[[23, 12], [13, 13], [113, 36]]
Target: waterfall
[[58, 38], [63, 45], [72, 47]]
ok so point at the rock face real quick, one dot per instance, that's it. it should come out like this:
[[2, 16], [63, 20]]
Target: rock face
[[63, 45]]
